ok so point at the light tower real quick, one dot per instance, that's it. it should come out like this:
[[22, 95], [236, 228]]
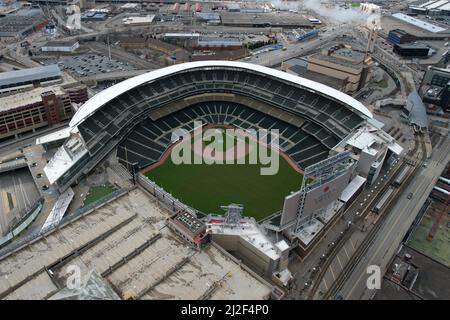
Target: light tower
[[233, 214]]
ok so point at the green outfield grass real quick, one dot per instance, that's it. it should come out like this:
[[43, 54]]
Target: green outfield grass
[[97, 192], [438, 248], [207, 187]]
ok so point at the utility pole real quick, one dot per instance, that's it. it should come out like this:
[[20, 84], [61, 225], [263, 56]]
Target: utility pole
[[109, 48]]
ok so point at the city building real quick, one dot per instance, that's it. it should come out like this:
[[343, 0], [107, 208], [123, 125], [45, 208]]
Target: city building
[[19, 24], [247, 242], [36, 97], [398, 36], [426, 26], [372, 147], [432, 8], [445, 98], [13, 81], [61, 46], [347, 68], [211, 43], [434, 87], [139, 20], [188, 227], [411, 50]]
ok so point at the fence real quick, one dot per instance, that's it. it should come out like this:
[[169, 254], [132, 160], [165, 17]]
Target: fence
[[164, 197], [24, 223]]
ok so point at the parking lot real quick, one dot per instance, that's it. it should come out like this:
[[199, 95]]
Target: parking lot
[[90, 64]]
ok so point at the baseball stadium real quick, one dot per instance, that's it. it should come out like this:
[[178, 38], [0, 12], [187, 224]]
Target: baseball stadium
[[137, 117], [241, 162]]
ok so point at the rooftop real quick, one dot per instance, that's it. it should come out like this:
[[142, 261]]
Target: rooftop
[[25, 98], [248, 231], [419, 23], [158, 264], [57, 43], [351, 188], [29, 75], [110, 93], [369, 139], [54, 136], [142, 19], [61, 161]]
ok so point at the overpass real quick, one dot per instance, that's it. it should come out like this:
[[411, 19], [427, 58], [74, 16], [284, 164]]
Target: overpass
[[115, 75]]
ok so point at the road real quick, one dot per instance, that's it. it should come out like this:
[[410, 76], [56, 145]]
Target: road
[[115, 75], [396, 225], [273, 58], [28, 139]]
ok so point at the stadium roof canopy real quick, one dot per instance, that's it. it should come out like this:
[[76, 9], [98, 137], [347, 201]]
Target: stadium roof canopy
[[110, 93], [10, 78]]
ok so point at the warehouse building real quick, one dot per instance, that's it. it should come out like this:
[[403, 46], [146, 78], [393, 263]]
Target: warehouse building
[[61, 46], [28, 78], [429, 27], [21, 24], [432, 8], [412, 50], [212, 43], [398, 36], [338, 66], [435, 87]]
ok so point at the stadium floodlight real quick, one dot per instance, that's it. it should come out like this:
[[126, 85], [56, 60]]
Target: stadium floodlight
[[233, 213]]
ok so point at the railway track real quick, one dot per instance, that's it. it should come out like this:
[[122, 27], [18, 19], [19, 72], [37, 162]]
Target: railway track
[[368, 240], [341, 242]]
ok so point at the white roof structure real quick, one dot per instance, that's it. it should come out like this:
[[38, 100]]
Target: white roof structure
[[58, 210], [352, 188], [436, 4], [61, 162], [369, 139], [97, 101], [181, 35], [138, 20], [424, 5], [54, 136], [418, 23], [29, 75], [248, 231], [445, 7]]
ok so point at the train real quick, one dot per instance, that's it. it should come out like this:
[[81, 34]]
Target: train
[[384, 200], [401, 176]]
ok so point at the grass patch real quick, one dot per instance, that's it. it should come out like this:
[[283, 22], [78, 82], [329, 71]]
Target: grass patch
[[439, 247], [207, 187], [98, 192]]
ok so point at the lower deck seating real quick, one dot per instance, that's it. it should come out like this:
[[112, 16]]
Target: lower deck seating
[[149, 139]]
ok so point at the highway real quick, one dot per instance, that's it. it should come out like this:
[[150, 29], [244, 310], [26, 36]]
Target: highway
[[346, 250], [396, 225], [115, 75], [345, 275], [273, 58]]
